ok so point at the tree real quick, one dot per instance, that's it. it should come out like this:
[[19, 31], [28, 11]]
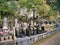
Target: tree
[[36, 5], [8, 7]]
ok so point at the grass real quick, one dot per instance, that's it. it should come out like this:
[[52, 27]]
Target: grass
[[44, 39]]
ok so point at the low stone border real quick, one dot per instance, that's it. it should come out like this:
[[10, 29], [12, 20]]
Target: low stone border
[[32, 39], [38, 37]]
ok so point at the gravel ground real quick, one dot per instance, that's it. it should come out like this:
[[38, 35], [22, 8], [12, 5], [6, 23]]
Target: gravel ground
[[55, 40]]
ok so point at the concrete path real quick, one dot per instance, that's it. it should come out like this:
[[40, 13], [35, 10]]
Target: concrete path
[[55, 40]]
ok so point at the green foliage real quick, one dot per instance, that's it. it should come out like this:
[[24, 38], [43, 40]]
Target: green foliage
[[38, 5], [40, 9], [0, 16], [9, 6], [55, 4]]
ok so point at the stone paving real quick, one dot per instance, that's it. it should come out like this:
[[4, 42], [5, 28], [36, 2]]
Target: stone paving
[[55, 40]]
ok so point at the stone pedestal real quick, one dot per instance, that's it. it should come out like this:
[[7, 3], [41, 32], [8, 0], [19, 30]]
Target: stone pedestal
[[10, 37], [2, 38], [14, 33], [6, 37]]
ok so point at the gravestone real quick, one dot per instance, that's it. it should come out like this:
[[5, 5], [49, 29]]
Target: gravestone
[[5, 24], [16, 28]]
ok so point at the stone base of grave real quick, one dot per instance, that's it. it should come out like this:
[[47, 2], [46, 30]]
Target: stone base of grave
[[6, 38]]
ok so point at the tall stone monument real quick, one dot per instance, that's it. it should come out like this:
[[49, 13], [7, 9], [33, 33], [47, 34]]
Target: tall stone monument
[[15, 22], [5, 24], [16, 28]]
